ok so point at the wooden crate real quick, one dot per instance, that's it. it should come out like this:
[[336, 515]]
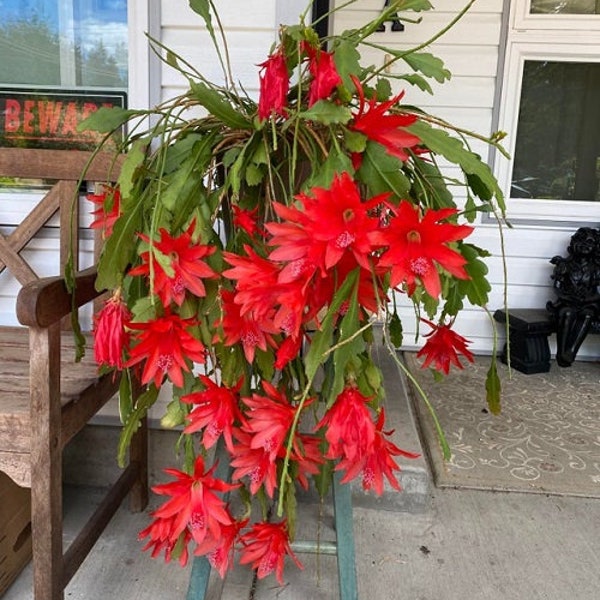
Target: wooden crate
[[15, 530]]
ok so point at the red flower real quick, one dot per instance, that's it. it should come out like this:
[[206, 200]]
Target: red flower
[[245, 328], [443, 347], [334, 222], [220, 556], [194, 507], [254, 463], [287, 351], [274, 86], [161, 539], [246, 220], [108, 211], [111, 336], [265, 547], [269, 419], [416, 244], [385, 129], [180, 268], [325, 76], [216, 411], [257, 287], [349, 429], [378, 462], [167, 347], [307, 456]]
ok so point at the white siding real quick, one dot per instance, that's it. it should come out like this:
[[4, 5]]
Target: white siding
[[250, 28], [470, 50]]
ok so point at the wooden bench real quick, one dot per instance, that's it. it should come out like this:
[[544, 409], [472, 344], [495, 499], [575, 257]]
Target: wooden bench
[[45, 397]]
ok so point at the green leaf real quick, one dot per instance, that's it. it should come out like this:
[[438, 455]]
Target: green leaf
[[327, 112], [382, 172], [477, 288], [125, 397], [142, 405], [432, 190], [180, 149], [370, 380], [218, 106], [348, 346], [420, 82], [202, 8], [144, 310], [478, 187], [265, 363], [174, 416], [254, 174], [396, 331], [107, 119], [428, 64], [346, 58], [493, 389], [323, 479], [322, 339], [186, 180], [134, 160], [336, 163], [383, 89], [119, 248], [291, 510], [355, 141], [440, 142]]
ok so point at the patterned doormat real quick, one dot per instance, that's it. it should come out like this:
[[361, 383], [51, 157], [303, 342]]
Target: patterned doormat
[[547, 439]]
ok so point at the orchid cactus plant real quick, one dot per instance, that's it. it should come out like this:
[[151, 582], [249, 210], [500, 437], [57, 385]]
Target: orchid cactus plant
[[252, 246]]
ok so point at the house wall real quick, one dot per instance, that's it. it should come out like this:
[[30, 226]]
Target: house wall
[[472, 50]]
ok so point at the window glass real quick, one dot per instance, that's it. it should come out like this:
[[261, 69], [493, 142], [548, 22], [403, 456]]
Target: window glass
[[557, 153], [66, 43], [565, 7]]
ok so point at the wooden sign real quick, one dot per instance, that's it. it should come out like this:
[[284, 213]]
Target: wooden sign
[[51, 118]]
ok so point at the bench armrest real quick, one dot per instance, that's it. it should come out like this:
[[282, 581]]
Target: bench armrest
[[46, 301]]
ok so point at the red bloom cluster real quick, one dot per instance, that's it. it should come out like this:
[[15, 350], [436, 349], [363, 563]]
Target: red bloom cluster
[[389, 130], [358, 443], [275, 84], [442, 347], [108, 209], [267, 277], [196, 512], [111, 334], [177, 266]]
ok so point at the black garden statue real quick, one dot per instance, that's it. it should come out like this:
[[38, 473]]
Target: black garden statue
[[577, 285]]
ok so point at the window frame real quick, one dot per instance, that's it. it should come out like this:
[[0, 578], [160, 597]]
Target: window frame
[[525, 20], [534, 44]]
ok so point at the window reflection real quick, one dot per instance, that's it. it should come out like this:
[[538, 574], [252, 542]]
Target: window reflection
[[557, 153], [78, 43], [565, 7]]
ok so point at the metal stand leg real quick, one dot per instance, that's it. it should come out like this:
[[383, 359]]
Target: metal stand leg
[[344, 529], [343, 547]]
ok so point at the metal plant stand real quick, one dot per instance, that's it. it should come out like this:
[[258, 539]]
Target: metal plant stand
[[342, 548]]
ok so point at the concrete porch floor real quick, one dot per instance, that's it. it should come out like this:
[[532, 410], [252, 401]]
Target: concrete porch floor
[[420, 544], [469, 545]]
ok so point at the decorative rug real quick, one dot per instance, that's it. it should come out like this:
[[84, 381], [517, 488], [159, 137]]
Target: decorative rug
[[546, 440]]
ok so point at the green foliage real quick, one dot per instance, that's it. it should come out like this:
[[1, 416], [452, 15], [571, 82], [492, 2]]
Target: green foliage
[[428, 64], [218, 106], [133, 421], [382, 173]]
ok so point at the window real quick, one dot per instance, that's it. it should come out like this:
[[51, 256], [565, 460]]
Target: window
[[71, 44], [572, 7], [550, 108]]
